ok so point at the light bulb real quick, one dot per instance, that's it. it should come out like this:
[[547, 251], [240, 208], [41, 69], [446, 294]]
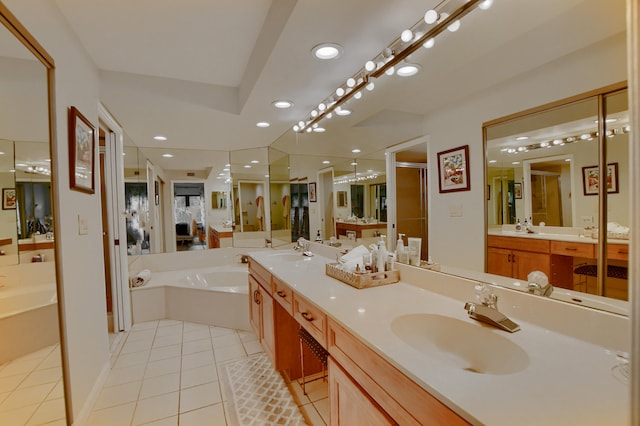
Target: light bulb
[[314, 113], [455, 26], [358, 95], [370, 66], [351, 82], [406, 36], [390, 71], [309, 129], [339, 91], [301, 124], [371, 86], [429, 43], [322, 106], [431, 16], [486, 4], [330, 115]]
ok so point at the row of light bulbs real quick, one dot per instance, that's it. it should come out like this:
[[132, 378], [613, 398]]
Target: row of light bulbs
[[563, 141], [386, 61]]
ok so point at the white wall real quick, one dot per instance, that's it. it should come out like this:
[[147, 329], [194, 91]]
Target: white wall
[[81, 265], [460, 241]]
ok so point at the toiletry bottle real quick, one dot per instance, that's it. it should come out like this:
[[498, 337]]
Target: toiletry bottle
[[374, 258], [400, 250], [518, 225], [382, 254], [318, 237]]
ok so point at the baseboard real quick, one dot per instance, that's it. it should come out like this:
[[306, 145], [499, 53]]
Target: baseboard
[[83, 415]]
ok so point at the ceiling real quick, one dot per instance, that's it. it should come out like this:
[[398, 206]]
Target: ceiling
[[203, 73]]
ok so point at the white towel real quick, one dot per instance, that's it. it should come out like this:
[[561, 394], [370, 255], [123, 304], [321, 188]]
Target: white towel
[[142, 278], [353, 258]]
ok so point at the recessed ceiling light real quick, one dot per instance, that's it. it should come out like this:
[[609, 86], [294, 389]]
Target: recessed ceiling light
[[227, 165], [247, 166], [1, 153], [225, 169], [568, 160], [515, 163], [319, 129], [343, 111], [21, 165], [327, 51], [356, 151], [407, 70], [282, 104], [354, 164], [254, 161], [326, 162], [160, 138], [493, 161], [266, 176], [167, 155], [262, 124], [522, 138]]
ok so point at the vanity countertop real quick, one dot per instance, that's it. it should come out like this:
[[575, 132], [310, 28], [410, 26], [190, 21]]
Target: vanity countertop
[[566, 380], [572, 238]]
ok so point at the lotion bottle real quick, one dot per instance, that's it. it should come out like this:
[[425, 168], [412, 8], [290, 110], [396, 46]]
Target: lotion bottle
[[382, 254], [400, 250]]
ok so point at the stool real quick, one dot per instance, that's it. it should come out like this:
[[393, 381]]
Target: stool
[[316, 349], [613, 271]]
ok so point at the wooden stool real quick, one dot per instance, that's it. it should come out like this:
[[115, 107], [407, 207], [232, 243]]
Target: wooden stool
[[316, 349]]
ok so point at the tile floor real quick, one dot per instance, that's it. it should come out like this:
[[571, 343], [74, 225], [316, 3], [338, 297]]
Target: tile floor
[[167, 373], [31, 391]]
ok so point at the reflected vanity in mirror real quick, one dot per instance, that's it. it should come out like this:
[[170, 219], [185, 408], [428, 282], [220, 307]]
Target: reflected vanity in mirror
[[546, 210], [29, 314]]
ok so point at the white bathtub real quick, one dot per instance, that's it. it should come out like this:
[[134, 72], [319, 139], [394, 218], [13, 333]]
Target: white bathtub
[[215, 295], [28, 319]]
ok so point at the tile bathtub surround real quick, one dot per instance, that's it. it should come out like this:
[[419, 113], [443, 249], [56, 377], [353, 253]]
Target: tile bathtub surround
[[171, 372], [31, 390]]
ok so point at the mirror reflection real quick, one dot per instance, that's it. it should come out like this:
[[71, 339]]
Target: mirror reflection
[[30, 342], [543, 188]]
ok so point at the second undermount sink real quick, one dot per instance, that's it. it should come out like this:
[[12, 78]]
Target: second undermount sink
[[470, 347], [287, 257]]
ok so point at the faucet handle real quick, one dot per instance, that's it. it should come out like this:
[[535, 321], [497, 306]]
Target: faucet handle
[[486, 296]]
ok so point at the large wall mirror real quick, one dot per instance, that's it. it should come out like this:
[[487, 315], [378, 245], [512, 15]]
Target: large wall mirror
[[30, 350], [545, 203]]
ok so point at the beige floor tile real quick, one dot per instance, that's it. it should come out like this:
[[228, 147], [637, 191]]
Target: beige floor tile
[[156, 408], [160, 385], [322, 406], [226, 340], [162, 367], [165, 352], [128, 360], [168, 323], [197, 346], [42, 353], [53, 360], [173, 339], [229, 352], [39, 377], [10, 383], [191, 326], [221, 331], [200, 396], [57, 391], [118, 395], [247, 336], [20, 366], [19, 416], [118, 415], [144, 326], [48, 411], [311, 415], [136, 346], [169, 421], [136, 335], [125, 375], [212, 415], [4, 396], [196, 335], [198, 376], [27, 396], [172, 330], [317, 389], [253, 347], [298, 395], [196, 360]]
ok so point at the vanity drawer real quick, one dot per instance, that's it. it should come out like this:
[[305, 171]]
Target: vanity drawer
[[283, 294], [618, 251], [311, 318], [517, 243], [261, 274], [564, 248]]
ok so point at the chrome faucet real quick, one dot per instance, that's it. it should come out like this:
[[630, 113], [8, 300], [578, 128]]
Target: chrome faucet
[[540, 290], [487, 310], [303, 246]]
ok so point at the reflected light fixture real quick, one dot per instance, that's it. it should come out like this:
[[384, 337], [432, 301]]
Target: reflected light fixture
[[282, 104], [407, 70], [263, 124], [167, 155], [160, 138]]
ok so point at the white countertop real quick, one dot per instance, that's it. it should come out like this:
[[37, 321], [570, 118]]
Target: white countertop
[[572, 238], [567, 381]]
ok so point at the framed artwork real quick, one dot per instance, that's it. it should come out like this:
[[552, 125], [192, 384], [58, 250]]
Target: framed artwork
[[488, 192], [313, 196], [8, 198], [453, 170], [342, 198], [517, 190], [590, 183], [82, 136]]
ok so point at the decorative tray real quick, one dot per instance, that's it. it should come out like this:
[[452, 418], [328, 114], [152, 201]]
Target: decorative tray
[[359, 281]]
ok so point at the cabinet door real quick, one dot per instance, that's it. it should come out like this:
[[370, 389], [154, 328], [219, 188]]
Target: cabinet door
[[349, 404], [525, 262], [254, 306], [499, 261], [268, 331]]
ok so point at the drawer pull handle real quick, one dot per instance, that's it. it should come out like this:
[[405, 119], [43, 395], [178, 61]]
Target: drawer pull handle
[[509, 258], [623, 251], [306, 316], [256, 297], [281, 293], [571, 248]]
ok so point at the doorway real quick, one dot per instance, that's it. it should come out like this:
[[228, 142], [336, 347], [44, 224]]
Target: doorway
[[327, 203]]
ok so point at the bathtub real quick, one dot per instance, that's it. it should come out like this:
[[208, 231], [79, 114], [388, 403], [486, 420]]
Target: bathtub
[[214, 295], [28, 320]]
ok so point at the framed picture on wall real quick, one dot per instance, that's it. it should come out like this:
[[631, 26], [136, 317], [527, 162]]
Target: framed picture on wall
[[8, 198], [312, 192], [590, 179], [81, 152], [517, 190], [342, 198], [453, 170]]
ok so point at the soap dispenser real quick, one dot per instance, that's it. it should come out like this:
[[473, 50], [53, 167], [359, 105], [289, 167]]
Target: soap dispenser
[[400, 250], [382, 253], [518, 226], [318, 237]]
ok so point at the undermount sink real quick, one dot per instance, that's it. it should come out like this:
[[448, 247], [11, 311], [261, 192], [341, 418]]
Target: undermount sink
[[470, 347], [288, 257]]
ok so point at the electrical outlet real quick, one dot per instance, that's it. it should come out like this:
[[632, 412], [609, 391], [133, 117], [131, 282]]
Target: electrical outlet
[[83, 225], [587, 221]]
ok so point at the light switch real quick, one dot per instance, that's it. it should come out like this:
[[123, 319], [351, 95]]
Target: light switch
[[455, 211], [83, 225]]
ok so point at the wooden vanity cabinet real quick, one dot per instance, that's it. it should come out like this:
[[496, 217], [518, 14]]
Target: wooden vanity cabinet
[[262, 316], [516, 257], [373, 382]]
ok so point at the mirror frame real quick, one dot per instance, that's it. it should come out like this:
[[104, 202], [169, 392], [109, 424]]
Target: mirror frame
[[28, 40]]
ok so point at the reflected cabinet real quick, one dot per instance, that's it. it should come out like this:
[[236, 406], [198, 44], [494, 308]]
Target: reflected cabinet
[[557, 192]]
